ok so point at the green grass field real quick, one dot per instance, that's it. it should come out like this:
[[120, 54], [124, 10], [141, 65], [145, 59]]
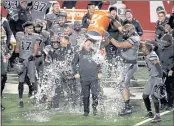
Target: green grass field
[[32, 116]]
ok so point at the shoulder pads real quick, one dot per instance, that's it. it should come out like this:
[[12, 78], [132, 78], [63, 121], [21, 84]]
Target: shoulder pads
[[45, 33]]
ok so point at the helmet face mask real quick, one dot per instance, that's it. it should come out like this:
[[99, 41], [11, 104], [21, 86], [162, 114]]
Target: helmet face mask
[[38, 29], [54, 42], [125, 34], [128, 31], [38, 26]]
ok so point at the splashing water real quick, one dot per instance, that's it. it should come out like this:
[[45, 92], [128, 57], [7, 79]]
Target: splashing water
[[110, 99], [111, 102]]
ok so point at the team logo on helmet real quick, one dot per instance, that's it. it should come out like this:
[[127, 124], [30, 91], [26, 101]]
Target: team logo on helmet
[[159, 91]]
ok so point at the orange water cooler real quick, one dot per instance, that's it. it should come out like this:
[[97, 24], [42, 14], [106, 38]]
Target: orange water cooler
[[98, 26]]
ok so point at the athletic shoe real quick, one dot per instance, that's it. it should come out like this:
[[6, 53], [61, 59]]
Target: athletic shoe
[[21, 104], [30, 93], [149, 115], [156, 119], [2, 108], [125, 111], [128, 106], [86, 114], [94, 111]]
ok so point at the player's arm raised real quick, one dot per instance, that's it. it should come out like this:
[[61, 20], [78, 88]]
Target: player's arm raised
[[125, 44]]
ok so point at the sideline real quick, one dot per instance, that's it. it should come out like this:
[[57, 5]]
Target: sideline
[[147, 120]]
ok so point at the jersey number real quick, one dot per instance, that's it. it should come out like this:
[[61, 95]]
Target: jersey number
[[28, 44], [39, 6], [11, 4], [40, 41]]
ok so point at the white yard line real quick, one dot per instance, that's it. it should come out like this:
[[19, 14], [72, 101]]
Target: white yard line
[[147, 120]]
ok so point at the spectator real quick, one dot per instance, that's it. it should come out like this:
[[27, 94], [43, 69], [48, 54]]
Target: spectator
[[111, 50], [131, 20], [161, 22], [171, 19], [87, 17]]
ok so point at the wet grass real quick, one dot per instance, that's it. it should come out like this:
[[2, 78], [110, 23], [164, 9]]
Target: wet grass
[[17, 116]]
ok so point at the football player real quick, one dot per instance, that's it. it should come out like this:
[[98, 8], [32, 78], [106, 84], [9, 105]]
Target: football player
[[27, 48], [128, 50], [155, 80], [44, 41], [39, 8]]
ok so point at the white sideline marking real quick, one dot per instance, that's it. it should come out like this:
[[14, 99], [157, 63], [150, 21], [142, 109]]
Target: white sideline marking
[[147, 120]]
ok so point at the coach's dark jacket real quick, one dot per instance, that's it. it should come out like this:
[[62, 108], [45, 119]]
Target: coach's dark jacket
[[166, 57], [88, 69]]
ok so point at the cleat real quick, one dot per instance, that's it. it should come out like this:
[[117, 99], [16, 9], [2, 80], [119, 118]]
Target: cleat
[[149, 115], [86, 114], [156, 119], [129, 106], [21, 104], [2, 108], [125, 111], [30, 93], [94, 111]]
